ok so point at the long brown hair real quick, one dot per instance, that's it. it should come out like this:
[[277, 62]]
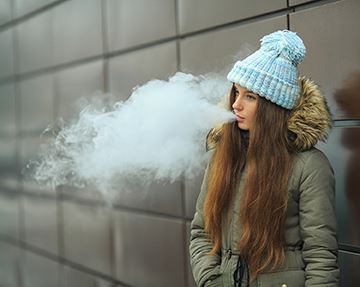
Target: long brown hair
[[267, 156]]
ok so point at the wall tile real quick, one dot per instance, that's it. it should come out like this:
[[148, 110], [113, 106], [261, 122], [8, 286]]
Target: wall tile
[[297, 2], [35, 43], [26, 6], [9, 261], [76, 278], [129, 26], [197, 15], [7, 50], [29, 152], [343, 151], [160, 197], [136, 68], [82, 39], [40, 271], [77, 30], [5, 11], [349, 271], [36, 104], [7, 109], [40, 215], [9, 214], [94, 224], [75, 87], [149, 250], [88, 193], [330, 62], [7, 158], [217, 51]]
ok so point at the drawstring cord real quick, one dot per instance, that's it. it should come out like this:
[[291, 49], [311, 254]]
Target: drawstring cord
[[239, 272]]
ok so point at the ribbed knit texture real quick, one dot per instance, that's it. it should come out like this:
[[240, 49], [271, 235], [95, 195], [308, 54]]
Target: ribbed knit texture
[[271, 71]]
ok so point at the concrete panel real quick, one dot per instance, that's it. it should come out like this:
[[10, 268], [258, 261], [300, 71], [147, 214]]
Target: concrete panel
[[9, 262], [7, 109], [7, 50], [149, 250], [9, 214], [75, 87], [197, 15], [39, 271], [35, 43], [127, 71], [343, 152], [94, 224], [41, 226], [36, 104], [350, 266], [77, 30], [333, 58], [130, 25], [218, 51]]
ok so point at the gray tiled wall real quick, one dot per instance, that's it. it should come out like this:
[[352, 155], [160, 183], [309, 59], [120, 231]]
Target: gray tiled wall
[[6, 56], [7, 109], [9, 265], [219, 49], [40, 216], [56, 55], [137, 67], [128, 26], [95, 224], [5, 11], [202, 14], [330, 61]]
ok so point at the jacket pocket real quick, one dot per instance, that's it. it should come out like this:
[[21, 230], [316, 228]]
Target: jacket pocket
[[286, 278]]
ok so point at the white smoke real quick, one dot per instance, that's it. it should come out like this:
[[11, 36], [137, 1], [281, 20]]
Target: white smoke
[[158, 133]]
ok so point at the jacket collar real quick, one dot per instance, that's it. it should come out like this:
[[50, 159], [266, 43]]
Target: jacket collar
[[310, 119]]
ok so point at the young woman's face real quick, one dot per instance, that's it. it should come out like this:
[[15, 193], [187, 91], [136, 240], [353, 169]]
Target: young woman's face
[[245, 106]]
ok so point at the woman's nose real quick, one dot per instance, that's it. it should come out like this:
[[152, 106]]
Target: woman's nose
[[237, 105]]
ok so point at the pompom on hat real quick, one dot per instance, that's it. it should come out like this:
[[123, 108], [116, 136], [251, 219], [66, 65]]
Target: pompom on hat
[[271, 72]]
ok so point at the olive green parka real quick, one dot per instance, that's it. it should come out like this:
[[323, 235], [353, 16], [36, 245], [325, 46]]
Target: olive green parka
[[311, 233]]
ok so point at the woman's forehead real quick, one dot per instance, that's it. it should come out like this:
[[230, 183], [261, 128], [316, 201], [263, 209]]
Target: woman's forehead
[[240, 88]]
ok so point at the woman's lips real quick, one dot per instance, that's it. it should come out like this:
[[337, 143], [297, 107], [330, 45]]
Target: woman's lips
[[240, 119]]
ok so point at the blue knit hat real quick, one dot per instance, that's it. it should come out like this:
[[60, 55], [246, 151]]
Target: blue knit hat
[[271, 71]]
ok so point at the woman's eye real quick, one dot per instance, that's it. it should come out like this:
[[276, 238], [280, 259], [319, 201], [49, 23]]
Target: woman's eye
[[250, 97]]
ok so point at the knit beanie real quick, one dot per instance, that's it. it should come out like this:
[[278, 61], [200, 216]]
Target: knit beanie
[[271, 72]]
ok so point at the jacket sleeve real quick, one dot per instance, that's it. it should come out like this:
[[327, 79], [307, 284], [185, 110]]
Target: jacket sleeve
[[318, 222], [205, 267]]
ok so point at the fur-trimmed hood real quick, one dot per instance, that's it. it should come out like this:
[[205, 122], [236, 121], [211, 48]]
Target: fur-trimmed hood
[[309, 121]]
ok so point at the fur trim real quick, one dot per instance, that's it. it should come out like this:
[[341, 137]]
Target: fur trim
[[213, 137], [309, 120]]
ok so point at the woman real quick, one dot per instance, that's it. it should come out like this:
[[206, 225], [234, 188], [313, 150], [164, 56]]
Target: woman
[[265, 215]]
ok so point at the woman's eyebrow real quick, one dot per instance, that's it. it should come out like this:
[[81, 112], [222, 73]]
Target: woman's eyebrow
[[245, 92], [249, 92]]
